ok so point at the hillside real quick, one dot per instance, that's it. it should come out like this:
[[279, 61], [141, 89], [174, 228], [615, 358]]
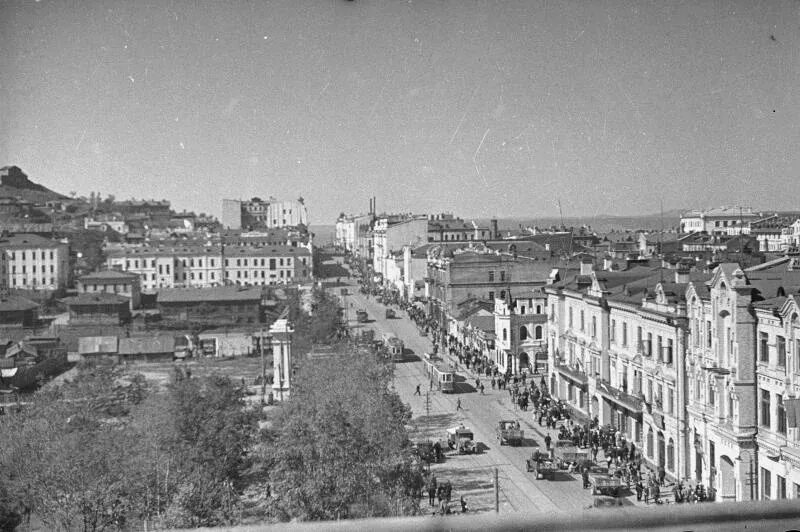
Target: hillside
[[15, 183]]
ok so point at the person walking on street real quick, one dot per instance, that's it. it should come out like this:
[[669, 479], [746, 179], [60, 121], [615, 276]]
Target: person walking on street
[[458, 404], [547, 441], [432, 491], [481, 388], [417, 392]]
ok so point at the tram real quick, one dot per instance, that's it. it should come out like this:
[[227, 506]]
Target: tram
[[444, 377]]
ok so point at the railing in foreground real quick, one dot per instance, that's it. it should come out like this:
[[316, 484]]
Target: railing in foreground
[[751, 516]]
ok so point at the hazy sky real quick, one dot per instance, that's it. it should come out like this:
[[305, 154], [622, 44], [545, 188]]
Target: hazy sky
[[482, 108]]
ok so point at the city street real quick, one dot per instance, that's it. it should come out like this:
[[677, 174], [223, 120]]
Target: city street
[[471, 475]]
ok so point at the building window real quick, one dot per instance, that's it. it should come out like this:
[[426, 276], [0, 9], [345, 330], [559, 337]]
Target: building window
[[781, 413], [670, 347], [582, 322], [708, 333], [271, 264], [594, 326], [624, 334], [780, 344], [570, 316], [766, 484], [502, 294], [491, 296], [780, 487], [671, 455], [491, 276], [523, 333], [538, 332], [505, 334], [649, 345], [765, 404]]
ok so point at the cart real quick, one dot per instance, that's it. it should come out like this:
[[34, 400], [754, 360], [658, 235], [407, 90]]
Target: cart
[[390, 314]]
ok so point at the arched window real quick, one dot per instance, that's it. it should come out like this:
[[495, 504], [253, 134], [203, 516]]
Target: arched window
[[649, 442], [538, 332], [538, 309], [505, 334], [523, 333], [671, 455]]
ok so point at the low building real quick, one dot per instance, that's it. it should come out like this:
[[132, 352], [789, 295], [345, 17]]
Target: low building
[[113, 282], [229, 305], [17, 311], [97, 309], [717, 221]]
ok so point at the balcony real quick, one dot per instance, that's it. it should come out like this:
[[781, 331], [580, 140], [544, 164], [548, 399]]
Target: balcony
[[631, 402], [573, 374]]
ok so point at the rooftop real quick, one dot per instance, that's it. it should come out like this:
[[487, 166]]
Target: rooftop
[[197, 295], [109, 275]]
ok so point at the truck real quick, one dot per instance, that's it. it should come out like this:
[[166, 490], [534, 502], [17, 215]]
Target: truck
[[542, 465], [509, 433], [394, 347], [565, 452]]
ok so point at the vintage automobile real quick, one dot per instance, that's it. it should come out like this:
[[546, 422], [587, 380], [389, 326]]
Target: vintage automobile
[[461, 439], [390, 314], [509, 433], [428, 451], [542, 465], [605, 485], [565, 452], [361, 316]]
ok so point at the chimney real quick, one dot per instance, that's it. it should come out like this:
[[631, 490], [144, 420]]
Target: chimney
[[682, 275], [587, 266], [495, 233]]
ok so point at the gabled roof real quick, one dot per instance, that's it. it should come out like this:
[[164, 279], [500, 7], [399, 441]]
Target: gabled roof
[[16, 303]]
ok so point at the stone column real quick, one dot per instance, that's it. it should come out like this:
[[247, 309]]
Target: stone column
[[281, 333]]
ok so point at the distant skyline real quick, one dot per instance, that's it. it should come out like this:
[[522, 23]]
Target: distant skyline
[[478, 108]]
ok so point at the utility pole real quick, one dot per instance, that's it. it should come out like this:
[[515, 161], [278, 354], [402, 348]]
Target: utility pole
[[496, 493], [263, 368]]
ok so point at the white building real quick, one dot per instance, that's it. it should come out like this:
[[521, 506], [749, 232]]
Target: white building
[[34, 263], [719, 220], [239, 214]]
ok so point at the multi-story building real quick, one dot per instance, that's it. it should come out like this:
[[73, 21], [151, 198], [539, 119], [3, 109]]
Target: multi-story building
[[113, 282], [720, 379], [345, 237], [614, 344], [33, 262], [447, 228], [519, 330], [718, 220], [238, 214], [213, 265], [770, 230], [391, 233], [476, 271]]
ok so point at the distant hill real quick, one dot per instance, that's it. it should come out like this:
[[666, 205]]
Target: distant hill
[[15, 183]]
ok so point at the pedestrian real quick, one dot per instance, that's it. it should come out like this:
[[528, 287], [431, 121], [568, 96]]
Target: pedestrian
[[493, 383], [585, 477], [458, 404], [661, 475], [639, 490], [432, 490], [481, 388], [547, 441], [418, 392]]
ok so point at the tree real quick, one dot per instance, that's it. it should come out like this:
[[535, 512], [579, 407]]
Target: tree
[[338, 447]]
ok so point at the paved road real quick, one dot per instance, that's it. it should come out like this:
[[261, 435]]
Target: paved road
[[471, 475]]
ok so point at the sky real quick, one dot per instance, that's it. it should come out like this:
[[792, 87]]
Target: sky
[[479, 108]]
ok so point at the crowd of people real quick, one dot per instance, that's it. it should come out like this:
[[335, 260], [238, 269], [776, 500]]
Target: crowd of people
[[621, 457]]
